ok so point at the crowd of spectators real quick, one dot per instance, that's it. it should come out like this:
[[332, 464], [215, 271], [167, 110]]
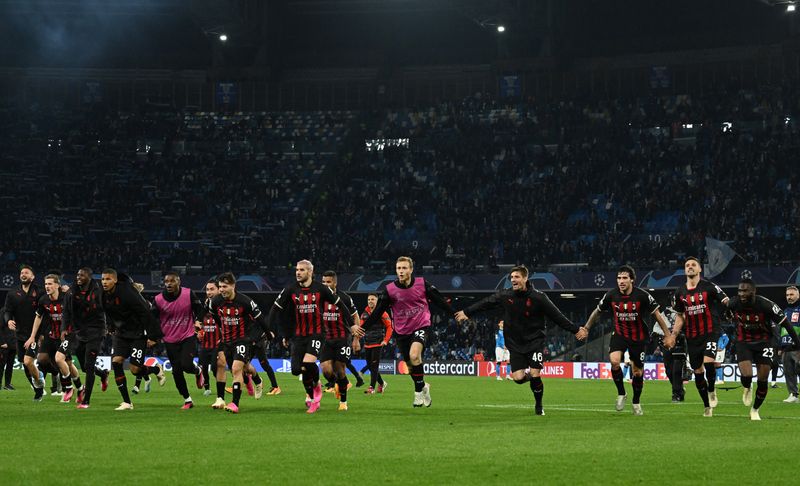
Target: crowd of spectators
[[481, 182]]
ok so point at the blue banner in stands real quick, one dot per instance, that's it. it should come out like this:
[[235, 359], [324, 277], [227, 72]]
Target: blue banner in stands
[[510, 86], [226, 93]]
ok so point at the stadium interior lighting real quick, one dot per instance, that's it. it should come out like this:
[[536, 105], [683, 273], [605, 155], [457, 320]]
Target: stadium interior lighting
[[501, 28], [791, 7], [223, 38]]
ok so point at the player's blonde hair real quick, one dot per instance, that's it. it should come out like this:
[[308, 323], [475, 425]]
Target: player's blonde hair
[[308, 264], [406, 259]]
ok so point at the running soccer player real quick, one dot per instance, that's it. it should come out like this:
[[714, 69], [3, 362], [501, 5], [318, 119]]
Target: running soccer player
[[209, 339], [83, 312], [179, 312], [338, 339], [697, 304], [628, 306], [20, 309], [49, 310], [299, 308], [408, 297], [241, 324], [375, 340], [524, 313], [755, 317], [133, 327]]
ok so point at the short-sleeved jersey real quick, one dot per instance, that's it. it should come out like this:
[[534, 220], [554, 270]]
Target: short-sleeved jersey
[[52, 314], [755, 321], [334, 321], [210, 336], [305, 304], [629, 311], [236, 318], [700, 307]]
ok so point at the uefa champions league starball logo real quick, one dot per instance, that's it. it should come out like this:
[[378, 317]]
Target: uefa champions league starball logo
[[599, 279], [747, 274], [8, 280]]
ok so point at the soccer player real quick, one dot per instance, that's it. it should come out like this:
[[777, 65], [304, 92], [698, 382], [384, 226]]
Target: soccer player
[[674, 358], [629, 305], [133, 326], [179, 312], [241, 324], [408, 297], [697, 304], [524, 313], [791, 358], [209, 338], [375, 339], [338, 338], [83, 312], [754, 316], [49, 311], [20, 311], [501, 354], [299, 309]]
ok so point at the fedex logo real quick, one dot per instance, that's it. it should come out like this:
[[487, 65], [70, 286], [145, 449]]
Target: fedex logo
[[594, 371]]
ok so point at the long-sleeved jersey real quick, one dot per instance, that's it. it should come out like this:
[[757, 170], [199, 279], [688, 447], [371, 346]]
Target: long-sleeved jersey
[[524, 317]]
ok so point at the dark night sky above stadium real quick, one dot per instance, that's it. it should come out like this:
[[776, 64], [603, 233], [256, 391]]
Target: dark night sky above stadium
[[309, 33]]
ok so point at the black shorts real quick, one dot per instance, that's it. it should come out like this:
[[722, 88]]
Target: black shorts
[[132, 349], [404, 341], [533, 359], [336, 350], [303, 345], [700, 347], [236, 351], [760, 353], [636, 349], [68, 345], [32, 351], [49, 347]]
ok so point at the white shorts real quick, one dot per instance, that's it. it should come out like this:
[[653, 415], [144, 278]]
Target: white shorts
[[720, 357], [501, 354]]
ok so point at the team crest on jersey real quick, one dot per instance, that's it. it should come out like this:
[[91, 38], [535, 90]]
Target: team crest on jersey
[[313, 297]]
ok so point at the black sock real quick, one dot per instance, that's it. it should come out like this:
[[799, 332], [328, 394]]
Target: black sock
[[270, 373], [237, 392], [761, 393], [309, 380], [121, 380], [221, 389], [418, 376], [702, 387], [66, 382], [138, 382], [364, 369], [343, 388], [711, 376], [747, 381], [638, 384], [353, 370], [256, 379], [77, 383], [677, 378], [537, 387], [616, 375]]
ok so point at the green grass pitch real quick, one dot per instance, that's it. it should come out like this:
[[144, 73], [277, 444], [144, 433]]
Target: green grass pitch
[[478, 431]]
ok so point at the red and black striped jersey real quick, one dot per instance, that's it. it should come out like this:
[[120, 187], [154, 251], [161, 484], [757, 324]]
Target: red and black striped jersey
[[52, 314], [210, 332], [754, 321], [700, 307], [334, 321], [628, 312], [236, 319], [305, 307]]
